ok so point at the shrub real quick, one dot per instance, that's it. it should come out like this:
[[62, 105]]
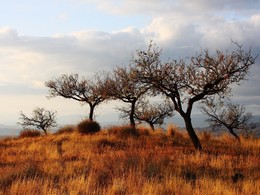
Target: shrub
[[66, 129], [29, 133], [88, 127]]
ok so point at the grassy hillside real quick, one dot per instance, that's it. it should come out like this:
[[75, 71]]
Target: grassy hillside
[[116, 162]]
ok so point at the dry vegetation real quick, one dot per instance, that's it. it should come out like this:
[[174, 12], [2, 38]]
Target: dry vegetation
[[113, 162]]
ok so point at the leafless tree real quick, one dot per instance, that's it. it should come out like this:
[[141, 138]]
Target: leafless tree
[[188, 81], [153, 113], [125, 87], [230, 115], [90, 91], [41, 119]]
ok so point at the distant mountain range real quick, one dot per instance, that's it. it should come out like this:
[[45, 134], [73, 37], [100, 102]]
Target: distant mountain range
[[198, 123], [253, 130], [6, 130]]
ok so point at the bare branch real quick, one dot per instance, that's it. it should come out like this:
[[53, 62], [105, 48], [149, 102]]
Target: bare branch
[[227, 114], [153, 113]]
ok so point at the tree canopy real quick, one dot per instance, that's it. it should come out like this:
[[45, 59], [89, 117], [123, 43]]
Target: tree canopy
[[84, 90]]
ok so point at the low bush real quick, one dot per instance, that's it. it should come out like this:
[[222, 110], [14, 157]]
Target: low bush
[[88, 127], [29, 133]]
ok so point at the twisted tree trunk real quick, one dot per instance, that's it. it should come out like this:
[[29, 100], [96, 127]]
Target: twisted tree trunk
[[194, 138]]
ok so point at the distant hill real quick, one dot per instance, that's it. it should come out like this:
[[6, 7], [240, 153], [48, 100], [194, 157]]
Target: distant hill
[[6, 130], [197, 120], [254, 130]]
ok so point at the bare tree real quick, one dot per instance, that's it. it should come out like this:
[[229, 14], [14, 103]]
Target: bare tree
[[230, 115], [41, 119], [124, 87], [153, 113], [90, 91], [197, 78]]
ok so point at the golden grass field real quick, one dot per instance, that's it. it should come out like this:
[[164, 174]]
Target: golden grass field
[[112, 162]]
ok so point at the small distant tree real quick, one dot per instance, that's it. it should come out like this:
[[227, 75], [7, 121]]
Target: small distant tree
[[41, 118], [125, 87], [90, 91], [230, 115], [153, 113]]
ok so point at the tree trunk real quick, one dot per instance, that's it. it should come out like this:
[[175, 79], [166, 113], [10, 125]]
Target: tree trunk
[[132, 119], [45, 131], [152, 126], [91, 112], [194, 138], [233, 133]]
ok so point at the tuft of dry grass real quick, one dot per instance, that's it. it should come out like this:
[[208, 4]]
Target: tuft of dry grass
[[123, 131], [29, 133], [114, 162], [205, 136], [67, 129], [172, 129]]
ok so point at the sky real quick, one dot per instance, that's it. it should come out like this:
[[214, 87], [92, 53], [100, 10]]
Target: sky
[[40, 40]]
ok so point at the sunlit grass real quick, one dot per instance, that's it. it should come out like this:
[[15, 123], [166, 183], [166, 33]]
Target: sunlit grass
[[113, 162]]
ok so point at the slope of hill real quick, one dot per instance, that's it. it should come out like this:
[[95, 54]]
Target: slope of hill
[[115, 161]]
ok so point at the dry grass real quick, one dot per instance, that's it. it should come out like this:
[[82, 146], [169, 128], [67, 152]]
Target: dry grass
[[29, 133], [146, 163], [67, 129]]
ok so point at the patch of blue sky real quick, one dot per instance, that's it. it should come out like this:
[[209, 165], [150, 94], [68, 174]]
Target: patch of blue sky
[[231, 16], [43, 18]]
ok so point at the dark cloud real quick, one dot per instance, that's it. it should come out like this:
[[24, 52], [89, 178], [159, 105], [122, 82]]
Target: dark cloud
[[155, 7]]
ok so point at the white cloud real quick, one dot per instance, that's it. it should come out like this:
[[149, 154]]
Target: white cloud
[[27, 59], [7, 31], [255, 19]]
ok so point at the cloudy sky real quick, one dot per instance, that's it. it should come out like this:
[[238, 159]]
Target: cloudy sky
[[42, 39]]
